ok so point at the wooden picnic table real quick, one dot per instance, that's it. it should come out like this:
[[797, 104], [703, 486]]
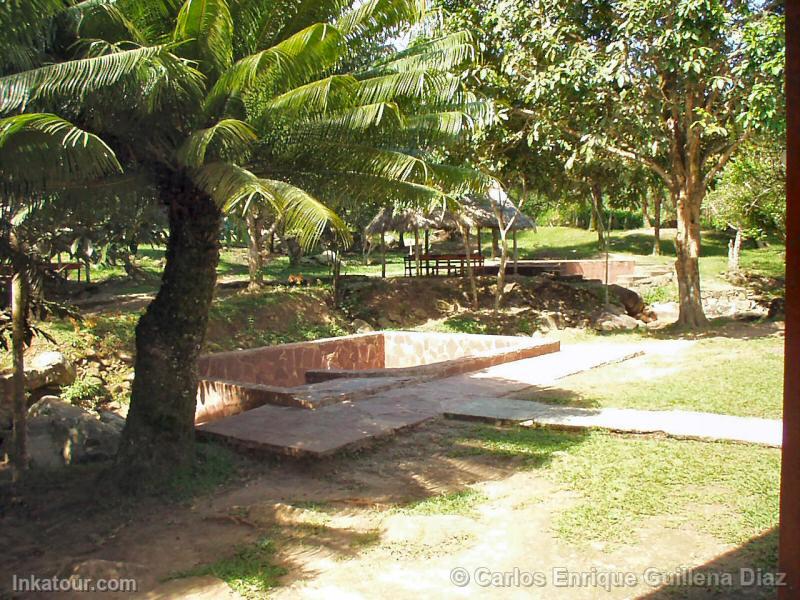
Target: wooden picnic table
[[63, 269], [58, 269], [435, 264]]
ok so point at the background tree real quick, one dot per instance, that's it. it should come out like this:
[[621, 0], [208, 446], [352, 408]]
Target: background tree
[[750, 195], [673, 86], [40, 155]]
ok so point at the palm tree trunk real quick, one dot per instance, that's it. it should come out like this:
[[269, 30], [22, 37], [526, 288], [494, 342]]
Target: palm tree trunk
[[158, 438], [417, 259], [735, 251], [19, 313], [495, 243]]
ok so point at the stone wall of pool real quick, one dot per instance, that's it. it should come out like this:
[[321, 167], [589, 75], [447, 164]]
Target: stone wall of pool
[[312, 374]]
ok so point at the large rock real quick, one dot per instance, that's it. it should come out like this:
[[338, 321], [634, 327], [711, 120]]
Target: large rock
[[60, 434], [666, 311], [328, 257], [130, 577], [45, 370], [49, 369], [611, 322], [633, 303], [361, 326], [777, 310]]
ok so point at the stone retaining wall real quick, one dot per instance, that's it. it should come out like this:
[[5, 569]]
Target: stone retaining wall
[[285, 365], [293, 374]]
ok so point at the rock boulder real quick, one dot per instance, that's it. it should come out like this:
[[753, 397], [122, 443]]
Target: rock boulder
[[60, 434]]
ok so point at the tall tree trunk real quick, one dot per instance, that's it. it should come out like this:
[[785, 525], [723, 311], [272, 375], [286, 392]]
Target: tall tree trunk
[[19, 314], [293, 249], [657, 199], [501, 272], [383, 254], [158, 438], [473, 285], [597, 211], [516, 252], [687, 249], [495, 243], [734, 251], [255, 245], [645, 215]]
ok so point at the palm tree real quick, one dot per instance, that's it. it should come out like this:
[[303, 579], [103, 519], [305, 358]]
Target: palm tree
[[222, 103]]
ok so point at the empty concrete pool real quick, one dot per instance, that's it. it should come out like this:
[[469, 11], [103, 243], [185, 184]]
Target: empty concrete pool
[[277, 398]]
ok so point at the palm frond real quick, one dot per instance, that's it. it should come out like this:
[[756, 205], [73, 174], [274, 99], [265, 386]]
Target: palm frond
[[206, 28], [352, 121], [443, 53], [42, 152], [353, 187], [234, 187], [372, 16], [432, 86], [228, 140], [22, 23], [295, 61], [102, 19], [314, 98], [74, 80]]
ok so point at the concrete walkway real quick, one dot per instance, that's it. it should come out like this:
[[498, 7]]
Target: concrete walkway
[[673, 423], [481, 395]]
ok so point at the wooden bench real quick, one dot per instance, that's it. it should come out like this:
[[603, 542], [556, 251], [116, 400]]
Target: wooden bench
[[450, 264]]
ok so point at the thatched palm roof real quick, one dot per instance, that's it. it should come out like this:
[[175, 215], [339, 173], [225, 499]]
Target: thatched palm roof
[[480, 211], [400, 219], [476, 211]]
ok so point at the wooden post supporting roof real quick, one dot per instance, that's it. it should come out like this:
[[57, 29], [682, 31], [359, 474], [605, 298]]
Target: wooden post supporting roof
[[789, 553], [383, 254]]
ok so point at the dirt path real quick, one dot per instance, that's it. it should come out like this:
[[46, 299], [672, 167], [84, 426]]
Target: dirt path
[[339, 529], [337, 533]]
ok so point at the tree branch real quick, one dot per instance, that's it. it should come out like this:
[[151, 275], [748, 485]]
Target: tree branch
[[628, 155], [725, 157]]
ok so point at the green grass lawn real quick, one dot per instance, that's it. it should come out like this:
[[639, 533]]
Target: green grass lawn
[[623, 481], [731, 376], [570, 242], [546, 242]]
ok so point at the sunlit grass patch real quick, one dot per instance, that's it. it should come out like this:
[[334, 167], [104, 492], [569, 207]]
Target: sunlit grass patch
[[623, 481], [250, 570], [462, 502]]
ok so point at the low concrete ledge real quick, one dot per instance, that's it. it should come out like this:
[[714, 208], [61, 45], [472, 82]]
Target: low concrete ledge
[[442, 369]]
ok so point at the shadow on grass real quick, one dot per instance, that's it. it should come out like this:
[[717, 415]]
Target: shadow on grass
[[751, 569], [725, 327], [525, 446]]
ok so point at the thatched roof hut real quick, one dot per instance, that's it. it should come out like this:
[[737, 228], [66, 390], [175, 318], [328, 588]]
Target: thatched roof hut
[[400, 219], [480, 211], [477, 211]]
